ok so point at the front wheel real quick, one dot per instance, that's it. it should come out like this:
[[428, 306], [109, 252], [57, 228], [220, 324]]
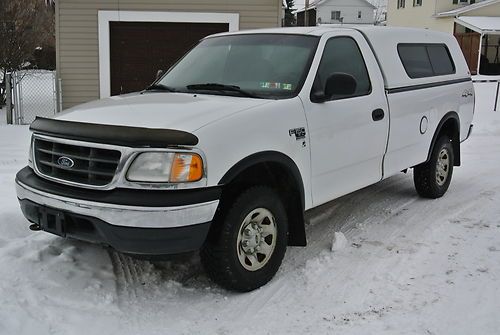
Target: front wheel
[[433, 178], [252, 241]]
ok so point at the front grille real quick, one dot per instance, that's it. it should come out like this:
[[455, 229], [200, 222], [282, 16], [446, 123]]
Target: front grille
[[74, 163]]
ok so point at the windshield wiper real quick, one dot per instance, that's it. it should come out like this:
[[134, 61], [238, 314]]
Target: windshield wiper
[[160, 87], [220, 87]]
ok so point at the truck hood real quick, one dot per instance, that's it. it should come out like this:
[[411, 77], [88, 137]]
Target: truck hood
[[180, 111]]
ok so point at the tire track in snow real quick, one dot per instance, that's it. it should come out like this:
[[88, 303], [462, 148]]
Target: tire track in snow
[[376, 204], [126, 277], [347, 215], [410, 224]]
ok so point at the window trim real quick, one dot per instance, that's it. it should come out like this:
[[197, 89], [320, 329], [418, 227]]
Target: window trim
[[370, 91], [417, 3], [335, 11], [426, 45]]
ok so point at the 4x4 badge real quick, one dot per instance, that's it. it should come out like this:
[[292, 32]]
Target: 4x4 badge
[[300, 133]]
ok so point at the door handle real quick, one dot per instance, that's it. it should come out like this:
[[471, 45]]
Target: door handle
[[378, 114]]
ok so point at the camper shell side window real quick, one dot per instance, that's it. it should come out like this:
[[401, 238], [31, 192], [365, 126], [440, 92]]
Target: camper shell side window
[[426, 60]]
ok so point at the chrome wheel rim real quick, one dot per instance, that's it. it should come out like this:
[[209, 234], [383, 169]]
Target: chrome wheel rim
[[442, 167], [256, 239]]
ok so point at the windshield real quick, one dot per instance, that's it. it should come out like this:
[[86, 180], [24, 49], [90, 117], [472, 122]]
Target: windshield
[[272, 66]]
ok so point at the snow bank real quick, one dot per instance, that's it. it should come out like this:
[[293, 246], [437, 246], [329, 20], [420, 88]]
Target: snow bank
[[339, 241]]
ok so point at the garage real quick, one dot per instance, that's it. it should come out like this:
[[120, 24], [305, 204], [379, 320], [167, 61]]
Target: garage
[[139, 49], [111, 47]]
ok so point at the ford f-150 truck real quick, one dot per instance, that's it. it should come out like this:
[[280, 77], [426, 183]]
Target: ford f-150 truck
[[228, 149]]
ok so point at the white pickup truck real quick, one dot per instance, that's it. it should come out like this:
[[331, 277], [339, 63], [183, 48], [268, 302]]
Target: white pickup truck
[[227, 150]]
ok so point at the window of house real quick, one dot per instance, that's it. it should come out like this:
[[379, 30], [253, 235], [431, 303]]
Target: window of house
[[417, 3], [426, 60], [336, 15], [342, 54], [401, 4], [359, 14]]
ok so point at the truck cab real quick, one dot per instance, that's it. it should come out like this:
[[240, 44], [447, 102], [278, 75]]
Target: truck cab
[[249, 130]]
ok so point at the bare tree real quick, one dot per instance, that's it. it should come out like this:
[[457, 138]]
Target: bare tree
[[25, 26]]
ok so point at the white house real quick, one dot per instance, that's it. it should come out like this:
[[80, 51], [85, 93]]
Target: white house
[[338, 11]]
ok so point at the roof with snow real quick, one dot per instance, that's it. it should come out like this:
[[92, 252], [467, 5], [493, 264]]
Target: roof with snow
[[320, 2], [480, 24], [468, 8]]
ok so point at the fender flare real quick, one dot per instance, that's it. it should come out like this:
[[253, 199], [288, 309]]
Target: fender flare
[[297, 225], [456, 141], [266, 157]]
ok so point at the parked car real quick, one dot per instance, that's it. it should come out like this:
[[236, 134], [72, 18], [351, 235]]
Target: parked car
[[228, 149]]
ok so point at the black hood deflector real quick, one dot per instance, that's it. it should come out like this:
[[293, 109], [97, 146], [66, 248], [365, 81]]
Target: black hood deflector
[[135, 137]]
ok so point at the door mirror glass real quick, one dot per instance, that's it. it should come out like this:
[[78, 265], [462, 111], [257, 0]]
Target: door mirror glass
[[340, 85]]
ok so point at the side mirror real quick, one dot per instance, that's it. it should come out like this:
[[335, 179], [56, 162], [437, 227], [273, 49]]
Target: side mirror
[[340, 84], [337, 85], [159, 74]]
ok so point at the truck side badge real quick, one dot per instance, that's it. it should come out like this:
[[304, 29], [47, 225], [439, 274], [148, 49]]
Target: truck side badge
[[300, 133]]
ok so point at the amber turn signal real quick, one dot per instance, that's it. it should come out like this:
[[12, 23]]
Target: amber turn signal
[[186, 168]]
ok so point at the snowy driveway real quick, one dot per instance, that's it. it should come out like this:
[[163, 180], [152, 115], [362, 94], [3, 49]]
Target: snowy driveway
[[412, 266]]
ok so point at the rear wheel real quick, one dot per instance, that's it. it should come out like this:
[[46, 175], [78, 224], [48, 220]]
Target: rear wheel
[[433, 178], [252, 241]]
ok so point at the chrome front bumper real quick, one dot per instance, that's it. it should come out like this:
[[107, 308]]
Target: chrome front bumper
[[125, 216]]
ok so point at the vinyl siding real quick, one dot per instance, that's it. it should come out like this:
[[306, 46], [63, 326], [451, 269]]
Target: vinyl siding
[[77, 34], [419, 16], [492, 10]]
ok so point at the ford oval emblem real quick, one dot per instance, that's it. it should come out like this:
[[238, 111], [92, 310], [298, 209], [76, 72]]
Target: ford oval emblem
[[65, 162]]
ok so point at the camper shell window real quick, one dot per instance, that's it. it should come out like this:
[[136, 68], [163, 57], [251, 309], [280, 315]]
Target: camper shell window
[[426, 60]]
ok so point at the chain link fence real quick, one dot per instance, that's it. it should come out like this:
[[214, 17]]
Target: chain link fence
[[33, 93]]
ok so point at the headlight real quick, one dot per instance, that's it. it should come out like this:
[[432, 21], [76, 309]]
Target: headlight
[[166, 167]]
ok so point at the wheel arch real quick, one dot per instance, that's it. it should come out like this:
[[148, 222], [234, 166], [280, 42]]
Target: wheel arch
[[281, 172], [449, 125]]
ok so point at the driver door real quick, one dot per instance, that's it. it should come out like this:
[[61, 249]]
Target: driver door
[[348, 134]]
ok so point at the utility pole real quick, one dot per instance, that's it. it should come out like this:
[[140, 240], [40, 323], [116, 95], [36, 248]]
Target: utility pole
[[306, 14]]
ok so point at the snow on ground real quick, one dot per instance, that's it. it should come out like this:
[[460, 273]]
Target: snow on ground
[[3, 117], [411, 266]]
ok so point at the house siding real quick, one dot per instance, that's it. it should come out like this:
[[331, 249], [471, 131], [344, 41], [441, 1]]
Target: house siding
[[422, 16], [492, 10], [77, 39], [349, 11], [419, 16]]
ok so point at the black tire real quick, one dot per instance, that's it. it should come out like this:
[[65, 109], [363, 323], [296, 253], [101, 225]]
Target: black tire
[[425, 176], [220, 255]]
